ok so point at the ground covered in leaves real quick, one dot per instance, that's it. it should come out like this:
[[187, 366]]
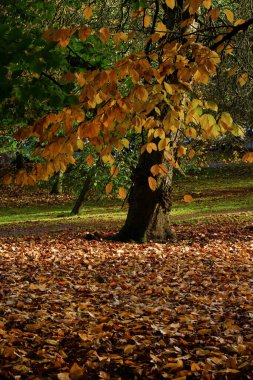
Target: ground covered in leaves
[[79, 306]]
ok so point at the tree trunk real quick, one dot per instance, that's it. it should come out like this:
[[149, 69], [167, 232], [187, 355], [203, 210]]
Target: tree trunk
[[86, 187], [57, 186], [20, 162], [148, 217]]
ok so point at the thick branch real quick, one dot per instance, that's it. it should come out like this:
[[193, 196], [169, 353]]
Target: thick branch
[[230, 35], [147, 47]]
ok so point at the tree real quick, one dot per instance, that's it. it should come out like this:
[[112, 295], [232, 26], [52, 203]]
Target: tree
[[152, 92]]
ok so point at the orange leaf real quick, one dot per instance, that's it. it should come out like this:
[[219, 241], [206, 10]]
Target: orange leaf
[[63, 376], [84, 33], [114, 171], [76, 372], [195, 367], [248, 157], [120, 36], [7, 179], [142, 93], [207, 4], [122, 193], [230, 15], [214, 14], [243, 79], [170, 3], [104, 34], [90, 160], [161, 29], [155, 170], [188, 198], [108, 188], [88, 130], [87, 13], [152, 183], [147, 21]]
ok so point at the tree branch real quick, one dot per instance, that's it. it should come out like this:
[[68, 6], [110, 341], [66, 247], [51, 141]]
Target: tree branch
[[230, 35]]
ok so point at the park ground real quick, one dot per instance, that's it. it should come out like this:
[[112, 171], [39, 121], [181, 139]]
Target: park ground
[[76, 305]]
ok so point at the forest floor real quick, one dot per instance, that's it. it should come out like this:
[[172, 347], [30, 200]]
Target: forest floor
[[76, 305]]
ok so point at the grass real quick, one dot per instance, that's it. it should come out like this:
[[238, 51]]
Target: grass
[[214, 190]]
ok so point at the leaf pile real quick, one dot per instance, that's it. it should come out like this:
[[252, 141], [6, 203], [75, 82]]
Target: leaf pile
[[20, 197], [72, 308]]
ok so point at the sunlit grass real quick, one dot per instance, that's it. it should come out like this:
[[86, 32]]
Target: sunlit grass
[[214, 191]]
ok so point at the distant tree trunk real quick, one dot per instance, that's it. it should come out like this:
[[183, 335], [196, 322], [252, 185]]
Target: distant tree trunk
[[148, 217], [86, 187], [20, 164], [57, 186]]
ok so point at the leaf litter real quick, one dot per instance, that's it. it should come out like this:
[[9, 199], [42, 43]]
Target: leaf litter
[[75, 308]]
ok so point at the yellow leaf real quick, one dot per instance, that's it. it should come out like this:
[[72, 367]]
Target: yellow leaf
[[79, 144], [147, 21], [207, 4], [195, 367], [90, 160], [129, 348], [122, 193], [225, 120], [87, 13], [191, 153], [211, 105], [161, 29], [114, 171], [188, 198], [201, 76], [150, 146], [230, 15], [170, 3], [191, 132], [108, 188], [243, 78], [168, 88], [152, 183], [76, 372], [162, 144], [206, 121], [240, 21], [104, 34], [125, 142], [159, 132], [229, 48], [142, 93], [248, 157], [181, 150]]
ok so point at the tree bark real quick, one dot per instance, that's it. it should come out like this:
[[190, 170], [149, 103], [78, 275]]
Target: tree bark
[[57, 186], [86, 187], [148, 217]]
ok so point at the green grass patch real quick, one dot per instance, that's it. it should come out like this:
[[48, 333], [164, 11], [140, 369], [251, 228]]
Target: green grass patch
[[214, 190]]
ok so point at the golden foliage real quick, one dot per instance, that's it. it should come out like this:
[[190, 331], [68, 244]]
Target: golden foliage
[[152, 183]]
